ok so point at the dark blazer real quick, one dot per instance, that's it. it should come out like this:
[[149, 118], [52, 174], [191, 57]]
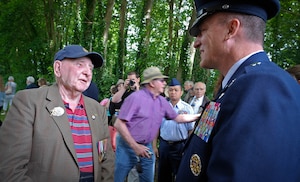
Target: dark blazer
[[38, 146], [205, 101], [256, 133], [188, 97], [32, 85]]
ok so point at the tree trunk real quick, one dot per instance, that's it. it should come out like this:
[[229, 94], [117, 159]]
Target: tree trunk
[[122, 41], [49, 21], [187, 54], [107, 21], [87, 24], [145, 37]]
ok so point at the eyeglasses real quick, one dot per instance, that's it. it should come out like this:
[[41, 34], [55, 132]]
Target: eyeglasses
[[161, 80]]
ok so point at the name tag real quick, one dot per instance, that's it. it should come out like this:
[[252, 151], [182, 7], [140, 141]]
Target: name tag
[[207, 121]]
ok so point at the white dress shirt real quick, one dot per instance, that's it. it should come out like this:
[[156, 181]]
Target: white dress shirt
[[196, 103]]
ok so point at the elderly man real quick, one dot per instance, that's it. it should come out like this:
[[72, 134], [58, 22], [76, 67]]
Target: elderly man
[[138, 123], [56, 133], [251, 131], [30, 83], [200, 100]]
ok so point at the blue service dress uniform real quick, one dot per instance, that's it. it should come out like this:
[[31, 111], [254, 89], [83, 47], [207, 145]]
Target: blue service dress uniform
[[251, 132]]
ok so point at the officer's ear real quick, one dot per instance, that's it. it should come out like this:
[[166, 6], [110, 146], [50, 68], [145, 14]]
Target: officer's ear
[[233, 26]]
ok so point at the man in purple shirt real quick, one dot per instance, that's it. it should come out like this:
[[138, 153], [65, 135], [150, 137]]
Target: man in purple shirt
[[138, 123]]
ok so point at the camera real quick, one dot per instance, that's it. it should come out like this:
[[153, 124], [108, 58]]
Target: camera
[[131, 82], [149, 152], [138, 166]]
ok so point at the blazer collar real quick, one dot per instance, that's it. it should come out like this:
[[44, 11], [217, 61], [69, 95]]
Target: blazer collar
[[62, 122]]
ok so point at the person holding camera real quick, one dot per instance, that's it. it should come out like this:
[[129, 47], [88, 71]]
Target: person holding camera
[[130, 85], [123, 90]]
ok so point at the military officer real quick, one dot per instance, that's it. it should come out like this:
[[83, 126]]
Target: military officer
[[251, 131]]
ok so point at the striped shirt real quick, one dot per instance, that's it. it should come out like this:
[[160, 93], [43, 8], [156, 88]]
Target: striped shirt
[[81, 136]]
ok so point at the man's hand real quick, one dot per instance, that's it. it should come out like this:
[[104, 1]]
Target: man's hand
[[155, 151], [126, 83], [142, 151]]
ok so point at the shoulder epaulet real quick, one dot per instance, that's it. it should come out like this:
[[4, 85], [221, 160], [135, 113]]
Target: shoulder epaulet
[[255, 64]]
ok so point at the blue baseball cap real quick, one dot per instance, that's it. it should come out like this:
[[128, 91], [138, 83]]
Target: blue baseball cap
[[77, 51], [265, 9], [174, 82]]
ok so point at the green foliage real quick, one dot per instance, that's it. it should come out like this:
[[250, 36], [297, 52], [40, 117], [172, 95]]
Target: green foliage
[[33, 30], [104, 81], [282, 37], [24, 40]]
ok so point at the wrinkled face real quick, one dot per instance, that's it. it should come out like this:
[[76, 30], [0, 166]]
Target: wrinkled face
[[210, 41], [175, 92], [158, 85], [199, 89], [74, 74]]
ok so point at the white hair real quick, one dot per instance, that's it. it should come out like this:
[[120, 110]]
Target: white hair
[[10, 78], [30, 79]]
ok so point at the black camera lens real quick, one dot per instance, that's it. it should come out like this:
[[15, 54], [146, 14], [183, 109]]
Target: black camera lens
[[131, 83]]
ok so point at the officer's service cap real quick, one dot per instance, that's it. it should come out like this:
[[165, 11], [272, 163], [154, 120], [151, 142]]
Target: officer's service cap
[[265, 9]]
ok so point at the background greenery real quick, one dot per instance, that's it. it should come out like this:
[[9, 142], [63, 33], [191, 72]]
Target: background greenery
[[131, 35]]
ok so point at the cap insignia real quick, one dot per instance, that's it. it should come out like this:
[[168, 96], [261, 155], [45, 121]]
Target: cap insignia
[[225, 6]]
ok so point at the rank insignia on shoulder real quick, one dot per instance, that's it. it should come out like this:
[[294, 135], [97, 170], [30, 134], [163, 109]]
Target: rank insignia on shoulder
[[256, 64], [195, 164], [207, 121]]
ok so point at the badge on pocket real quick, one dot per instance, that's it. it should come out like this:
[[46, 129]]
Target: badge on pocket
[[102, 148]]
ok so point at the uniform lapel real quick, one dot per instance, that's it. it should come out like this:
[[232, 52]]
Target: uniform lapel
[[252, 60]]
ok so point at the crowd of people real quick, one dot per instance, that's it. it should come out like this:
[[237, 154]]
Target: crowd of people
[[153, 128], [9, 89]]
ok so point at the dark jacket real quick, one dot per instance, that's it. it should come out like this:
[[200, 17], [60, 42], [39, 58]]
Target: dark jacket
[[255, 136], [32, 85], [42, 142]]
